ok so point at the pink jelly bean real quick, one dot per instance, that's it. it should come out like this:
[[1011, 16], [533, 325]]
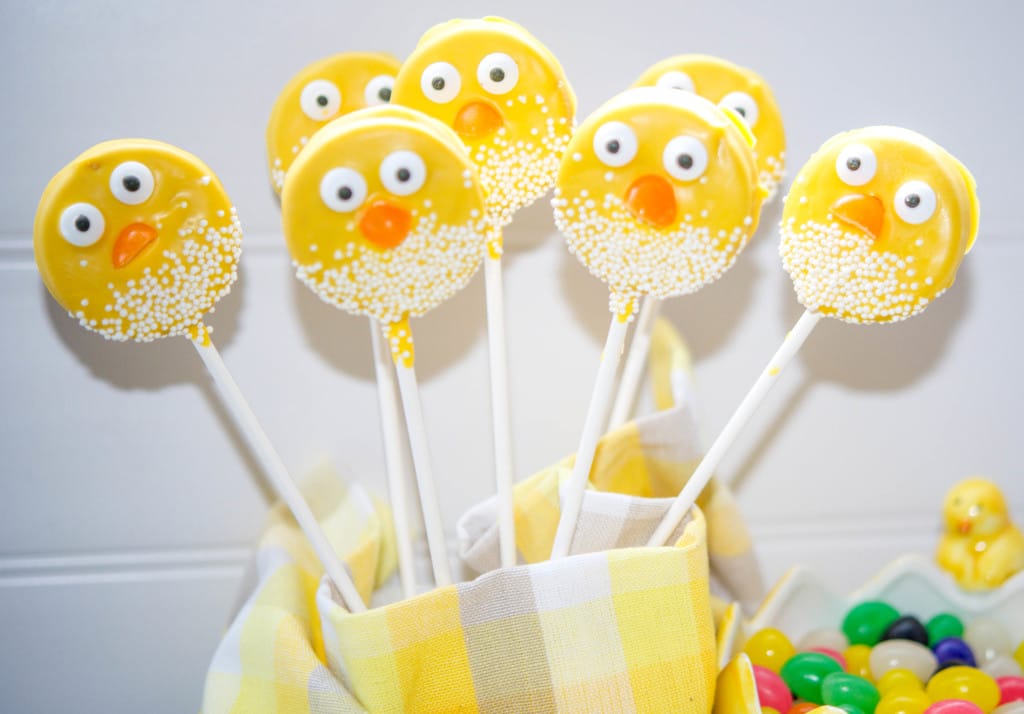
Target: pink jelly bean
[[831, 653], [1011, 689], [771, 690], [954, 706]]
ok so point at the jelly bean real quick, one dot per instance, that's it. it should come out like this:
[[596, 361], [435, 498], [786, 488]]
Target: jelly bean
[[769, 710], [950, 663], [865, 623], [986, 638], [831, 653], [965, 683], [953, 648], [858, 660], [904, 702], [904, 654], [1009, 708], [842, 689], [832, 639], [771, 690], [802, 708], [899, 680], [1002, 666], [953, 706], [1018, 654], [769, 648], [906, 627], [942, 626], [804, 673], [1011, 689]]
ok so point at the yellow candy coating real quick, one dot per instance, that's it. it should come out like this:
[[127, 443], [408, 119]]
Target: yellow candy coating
[[899, 679], [769, 648], [876, 224], [738, 88], [858, 661], [966, 683], [320, 92], [383, 213], [137, 239], [657, 194], [1018, 654], [903, 701], [507, 97]]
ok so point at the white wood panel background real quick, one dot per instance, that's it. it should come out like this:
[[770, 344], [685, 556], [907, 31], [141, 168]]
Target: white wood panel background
[[128, 505]]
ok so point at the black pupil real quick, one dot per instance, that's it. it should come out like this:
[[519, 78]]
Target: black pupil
[[913, 200], [497, 74], [322, 100], [131, 183], [437, 83], [741, 111], [612, 146], [344, 193], [384, 94], [82, 223], [403, 175], [685, 161], [853, 164]]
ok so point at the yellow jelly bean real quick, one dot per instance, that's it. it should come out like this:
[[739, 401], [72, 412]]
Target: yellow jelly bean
[[1019, 654], [966, 683], [858, 661], [899, 680], [769, 648], [769, 710], [903, 701]]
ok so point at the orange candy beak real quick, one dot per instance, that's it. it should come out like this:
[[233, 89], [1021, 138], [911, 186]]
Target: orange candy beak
[[651, 198], [477, 120], [130, 242], [964, 527], [860, 211], [384, 224]]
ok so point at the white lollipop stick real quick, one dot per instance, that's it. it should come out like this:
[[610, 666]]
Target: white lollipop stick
[[636, 361], [278, 473], [432, 522], [688, 496], [500, 410], [393, 458], [572, 496]]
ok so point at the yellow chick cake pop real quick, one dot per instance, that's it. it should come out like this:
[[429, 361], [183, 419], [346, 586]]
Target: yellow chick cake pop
[[657, 194], [137, 239], [739, 89], [320, 92], [876, 224], [505, 95]]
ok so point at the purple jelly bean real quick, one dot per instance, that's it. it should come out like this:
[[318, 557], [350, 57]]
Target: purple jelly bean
[[954, 648]]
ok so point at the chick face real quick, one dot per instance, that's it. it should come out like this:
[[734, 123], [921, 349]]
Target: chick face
[[320, 92], [383, 214], [505, 95], [657, 194], [137, 239], [739, 89], [876, 224], [976, 508]]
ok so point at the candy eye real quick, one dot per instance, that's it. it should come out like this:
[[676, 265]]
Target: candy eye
[[743, 104], [676, 80], [914, 202], [856, 165], [403, 172], [497, 73], [343, 190], [685, 158], [440, 82], [378, 90], [320, 100], [615, 144], [131, 183], [81, 224]]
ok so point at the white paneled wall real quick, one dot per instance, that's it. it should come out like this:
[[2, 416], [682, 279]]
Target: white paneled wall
[[128, 503]]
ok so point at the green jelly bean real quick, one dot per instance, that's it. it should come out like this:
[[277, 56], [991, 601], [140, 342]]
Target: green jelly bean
[[866, 622], [805, 672], [848, 690], [942, 626]]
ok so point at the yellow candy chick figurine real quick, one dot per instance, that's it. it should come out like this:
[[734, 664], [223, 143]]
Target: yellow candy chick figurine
[[137, 239], [505, 95], [876, 224], [981, 547], [319, 93], [383, 214], [657, 194], [739, 89]]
